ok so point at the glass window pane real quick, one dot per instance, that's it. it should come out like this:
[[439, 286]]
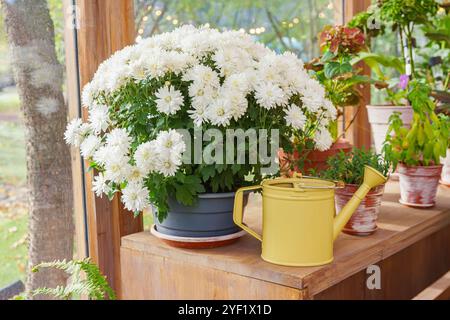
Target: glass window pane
[[280, 24]]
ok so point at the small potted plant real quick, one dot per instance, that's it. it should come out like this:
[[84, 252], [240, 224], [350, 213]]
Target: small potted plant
[[417, 151], [433, 61], [402, 17], [333, 69], [349, 169], [195, 83]]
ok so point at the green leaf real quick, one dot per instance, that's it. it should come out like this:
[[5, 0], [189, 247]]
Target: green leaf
[[331, 69], [374, 61], [235, 168], [420, 136], [327, 56], [207, 172], [184, 195]]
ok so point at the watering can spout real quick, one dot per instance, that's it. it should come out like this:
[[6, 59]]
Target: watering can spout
[[372, 179]]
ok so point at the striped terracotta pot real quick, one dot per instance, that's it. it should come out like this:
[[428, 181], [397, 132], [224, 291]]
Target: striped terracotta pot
[[364, 220], [418, 185]]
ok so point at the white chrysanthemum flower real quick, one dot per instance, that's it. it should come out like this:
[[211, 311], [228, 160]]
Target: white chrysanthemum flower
[[90, 145], [198, 115], [312, 103], [176, 61], [104, 153], [76, 132], [219, 112], [313, 96], [119, 138], [138, 71], [135, 174], [145, 156], [201, 95], [168, 163], [117, 168], [330, 110], [268, 72], [237, 83], [99, 118], [269, 95], [295, 117], [71, 136], [171, 141], [203, 76], [239, 104], [135, 197], [169, 100], [231, 59], [88, 94], [323, 139], [100, 185]]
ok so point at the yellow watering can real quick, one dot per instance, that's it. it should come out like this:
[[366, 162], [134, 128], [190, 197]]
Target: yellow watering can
[[299, 223]]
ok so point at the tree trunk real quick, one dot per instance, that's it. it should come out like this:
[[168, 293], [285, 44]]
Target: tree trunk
[[39, 79]]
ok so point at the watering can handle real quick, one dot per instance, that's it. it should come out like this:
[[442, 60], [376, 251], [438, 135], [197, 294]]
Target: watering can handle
[[238, 212]]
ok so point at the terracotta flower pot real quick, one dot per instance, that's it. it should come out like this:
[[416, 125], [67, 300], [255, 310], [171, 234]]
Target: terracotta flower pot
[[418, 185], [316, 160], [445, 177], [379, 121], [364, 221]]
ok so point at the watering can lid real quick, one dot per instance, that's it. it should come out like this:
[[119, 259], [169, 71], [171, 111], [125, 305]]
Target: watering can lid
[[302, 182]]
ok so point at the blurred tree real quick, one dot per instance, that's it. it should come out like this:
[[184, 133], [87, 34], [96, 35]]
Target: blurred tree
[[39, 77]]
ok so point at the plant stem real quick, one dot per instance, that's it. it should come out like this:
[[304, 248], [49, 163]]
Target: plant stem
[[402, 45], [410, 48]]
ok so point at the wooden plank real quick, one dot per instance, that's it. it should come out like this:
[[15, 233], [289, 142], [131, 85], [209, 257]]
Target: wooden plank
[[403, 274], [166, 278], [359, 132], [105, 27], [439, 290], [73, 101], [399, 227]]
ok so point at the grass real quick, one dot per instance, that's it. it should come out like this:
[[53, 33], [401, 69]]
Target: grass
[[13, 244], [9, 101], [5, 66], [13, 216], [12, 153]]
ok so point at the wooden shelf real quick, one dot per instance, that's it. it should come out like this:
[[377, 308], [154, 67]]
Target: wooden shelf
[[417, 240]]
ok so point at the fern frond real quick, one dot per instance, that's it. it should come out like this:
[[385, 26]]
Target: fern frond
[[92, 285]]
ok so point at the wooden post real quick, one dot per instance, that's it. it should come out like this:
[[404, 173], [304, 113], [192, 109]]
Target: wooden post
[[105, 26], [73, 102], [359, 133]]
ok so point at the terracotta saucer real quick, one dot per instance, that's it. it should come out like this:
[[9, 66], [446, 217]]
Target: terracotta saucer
[[444, 183], [197, 243], [416, 205]]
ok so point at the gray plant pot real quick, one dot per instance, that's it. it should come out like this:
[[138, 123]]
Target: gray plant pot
[[212, 216]]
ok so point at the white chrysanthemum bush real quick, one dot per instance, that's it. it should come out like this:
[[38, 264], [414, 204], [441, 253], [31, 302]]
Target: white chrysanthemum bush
[[191, 78]]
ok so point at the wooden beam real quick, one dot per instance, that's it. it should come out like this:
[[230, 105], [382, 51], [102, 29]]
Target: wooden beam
[[359, 132], [105, 27], [439, 290], [73, 100]]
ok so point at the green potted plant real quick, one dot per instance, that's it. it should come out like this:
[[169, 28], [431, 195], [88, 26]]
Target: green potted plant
[[417, 151], [433, 64], [393, 73], [159, 111], [333, 69], [349, 169]]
